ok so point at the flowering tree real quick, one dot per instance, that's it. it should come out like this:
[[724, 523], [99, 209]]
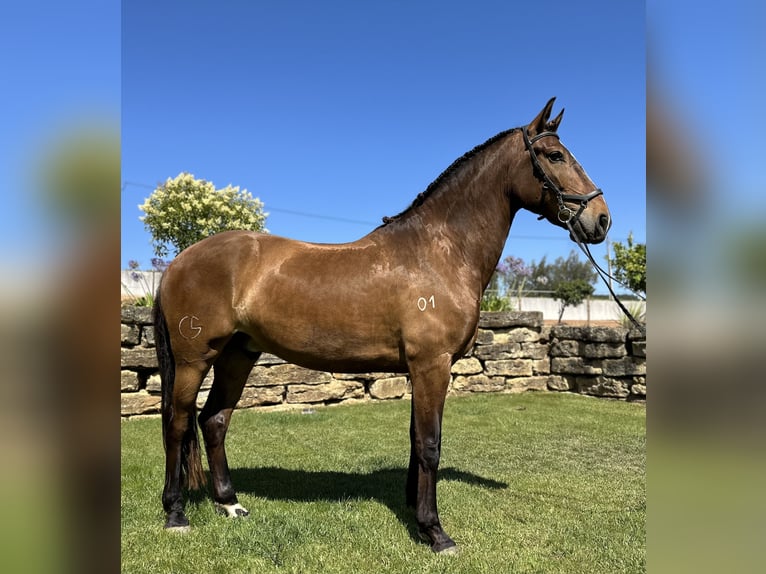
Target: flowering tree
[[509, 281], [184, 210], [516, 274]]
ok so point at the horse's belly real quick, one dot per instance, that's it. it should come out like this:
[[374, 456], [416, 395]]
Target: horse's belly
[[329, 357], [329, 346]]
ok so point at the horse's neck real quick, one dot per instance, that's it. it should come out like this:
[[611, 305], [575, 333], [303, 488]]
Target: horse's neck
[[471, 212]]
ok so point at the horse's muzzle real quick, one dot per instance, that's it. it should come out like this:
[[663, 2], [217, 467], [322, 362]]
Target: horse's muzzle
[[603, 223], [580, 231]]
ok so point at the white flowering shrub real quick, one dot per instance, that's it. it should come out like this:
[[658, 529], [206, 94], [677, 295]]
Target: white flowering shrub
[[184, 210]]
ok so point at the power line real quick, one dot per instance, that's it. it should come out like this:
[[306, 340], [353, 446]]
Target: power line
[[321, 216], [136, 184], [276, 209]]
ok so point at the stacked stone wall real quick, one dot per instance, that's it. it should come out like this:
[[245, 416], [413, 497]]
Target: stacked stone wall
[[514, 352]]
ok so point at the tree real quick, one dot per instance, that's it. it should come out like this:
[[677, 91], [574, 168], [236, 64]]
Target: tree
[[509, 280], [629, 264], [570, 279], [571, 293], [184, 210], [546, 276]]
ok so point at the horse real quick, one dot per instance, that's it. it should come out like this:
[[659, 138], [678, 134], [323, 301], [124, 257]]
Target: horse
[[404, 298]]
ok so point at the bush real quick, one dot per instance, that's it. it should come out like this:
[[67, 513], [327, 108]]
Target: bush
[[629, 264]]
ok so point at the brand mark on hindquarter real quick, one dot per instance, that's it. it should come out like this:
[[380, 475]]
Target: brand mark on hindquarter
[[188, 327]]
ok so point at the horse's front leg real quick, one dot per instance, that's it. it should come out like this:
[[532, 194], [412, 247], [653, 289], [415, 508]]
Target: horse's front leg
[[429, 388], [411, 493]]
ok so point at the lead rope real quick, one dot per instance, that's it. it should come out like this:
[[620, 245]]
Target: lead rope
[[604, 275]]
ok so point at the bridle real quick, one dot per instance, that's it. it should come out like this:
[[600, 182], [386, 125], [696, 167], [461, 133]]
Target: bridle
[[565, 214], [569, 217]]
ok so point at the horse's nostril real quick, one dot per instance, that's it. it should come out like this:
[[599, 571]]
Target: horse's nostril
[[604, 222]]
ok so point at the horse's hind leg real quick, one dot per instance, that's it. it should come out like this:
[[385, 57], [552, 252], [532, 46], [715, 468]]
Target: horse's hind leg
[[182, 459], [230, 374]]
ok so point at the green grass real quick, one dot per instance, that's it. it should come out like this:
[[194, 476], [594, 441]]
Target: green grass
[[548, 483]]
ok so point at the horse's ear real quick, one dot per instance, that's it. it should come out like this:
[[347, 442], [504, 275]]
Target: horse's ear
[[553, 125], [538, 124]]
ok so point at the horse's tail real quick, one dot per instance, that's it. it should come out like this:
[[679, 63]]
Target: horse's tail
[[192, 474]]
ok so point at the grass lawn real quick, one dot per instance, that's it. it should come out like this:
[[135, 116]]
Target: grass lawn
[[536, 482]]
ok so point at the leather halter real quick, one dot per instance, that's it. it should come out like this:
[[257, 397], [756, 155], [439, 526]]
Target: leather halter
[[565, 214]]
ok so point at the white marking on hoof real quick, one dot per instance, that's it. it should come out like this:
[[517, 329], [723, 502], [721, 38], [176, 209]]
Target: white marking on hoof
[[451, 551], [179, 529], [232, 510]]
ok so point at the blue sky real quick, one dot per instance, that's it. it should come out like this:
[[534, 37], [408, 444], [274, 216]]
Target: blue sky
[[345, 110]]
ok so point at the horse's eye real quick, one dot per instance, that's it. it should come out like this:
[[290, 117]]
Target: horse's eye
[[556, 156]]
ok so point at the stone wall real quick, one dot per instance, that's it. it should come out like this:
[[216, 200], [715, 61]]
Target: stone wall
[[514, 352]]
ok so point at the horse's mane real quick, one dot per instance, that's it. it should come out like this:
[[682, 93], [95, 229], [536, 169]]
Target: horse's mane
[[446, 174]]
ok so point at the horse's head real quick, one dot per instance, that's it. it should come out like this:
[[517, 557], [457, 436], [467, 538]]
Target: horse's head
[[558, 188]]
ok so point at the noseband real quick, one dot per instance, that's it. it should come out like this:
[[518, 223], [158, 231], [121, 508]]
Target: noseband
[[565, 214]]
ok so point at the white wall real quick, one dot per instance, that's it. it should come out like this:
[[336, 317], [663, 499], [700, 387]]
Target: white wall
[[593, 310], [139, 283]]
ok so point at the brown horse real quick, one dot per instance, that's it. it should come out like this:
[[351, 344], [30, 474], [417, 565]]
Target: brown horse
[[404, 298]]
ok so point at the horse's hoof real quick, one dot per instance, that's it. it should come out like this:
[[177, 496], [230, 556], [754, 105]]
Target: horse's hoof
[[444, 548], [177, 522], [231, 510], [453, 550]]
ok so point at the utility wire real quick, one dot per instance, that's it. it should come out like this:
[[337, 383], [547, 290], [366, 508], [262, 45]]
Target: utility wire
[[270, 209]]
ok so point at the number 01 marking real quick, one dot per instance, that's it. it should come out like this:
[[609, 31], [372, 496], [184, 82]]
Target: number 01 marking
[[423, 303]]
